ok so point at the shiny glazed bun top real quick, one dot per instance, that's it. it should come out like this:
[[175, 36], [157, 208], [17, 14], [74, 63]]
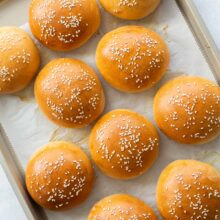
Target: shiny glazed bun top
[[189, 190], [63, 24], [132, 58], [69, 93], [187, 109], [124, 144], [130, 9], [59, 176], [121, 207], [19, 59]]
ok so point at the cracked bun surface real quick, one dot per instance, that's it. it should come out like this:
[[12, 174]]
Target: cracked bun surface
[[130, 9], [123, 207], [189, 189], [187, 109], [63, 24], [69, 93], [124, 144], [132, 58], [19, 59], [59, 176]]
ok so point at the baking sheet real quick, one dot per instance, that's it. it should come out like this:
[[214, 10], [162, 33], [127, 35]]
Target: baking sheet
[[28, 129]]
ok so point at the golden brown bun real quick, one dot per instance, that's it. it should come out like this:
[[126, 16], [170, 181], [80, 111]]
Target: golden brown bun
[[189, 190], [121, 206], [69, 93], [62, 24], [132, 58], [124, 144], [59, 176], [187, 109], [130, 9], [19, 59]]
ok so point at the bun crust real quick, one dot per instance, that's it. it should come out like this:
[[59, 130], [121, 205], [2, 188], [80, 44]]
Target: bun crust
[[59, 176], [130, 9], [69, 93], [187, 109], [121, 206], [124, 144], [63, 25], [132, 58], [19, 57], [189, 190]]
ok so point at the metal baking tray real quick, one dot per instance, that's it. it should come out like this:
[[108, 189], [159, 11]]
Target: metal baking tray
[[8, 158]]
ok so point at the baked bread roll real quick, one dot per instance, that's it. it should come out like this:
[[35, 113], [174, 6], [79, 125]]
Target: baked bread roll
[[59, 176], [130, 9], [124, 144], [63, 24], [132, 58], [189, 190], [187, 109], [121, 206], [69, 93], [19, 59]]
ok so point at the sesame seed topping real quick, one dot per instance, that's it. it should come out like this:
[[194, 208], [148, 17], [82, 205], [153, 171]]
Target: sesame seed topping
[[15, 59], [74, 95], [8, 40], [125, 3], [137, 55], [132, 143], [128, 3], [137, 51], [58, 181], [57, 20], [194, 197], [125, 214], [121, 207], [195, 110]]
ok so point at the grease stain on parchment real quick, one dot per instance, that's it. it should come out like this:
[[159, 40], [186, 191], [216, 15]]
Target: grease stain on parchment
[[26, 95], [210, 157], [79, 137]]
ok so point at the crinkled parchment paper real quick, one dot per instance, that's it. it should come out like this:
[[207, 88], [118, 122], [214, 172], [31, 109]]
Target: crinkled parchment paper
[[28, 129]]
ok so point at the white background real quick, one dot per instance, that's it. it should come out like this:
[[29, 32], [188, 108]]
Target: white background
[[15, 12]]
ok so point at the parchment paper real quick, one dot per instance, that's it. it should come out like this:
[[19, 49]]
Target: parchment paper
[[28, 129]]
